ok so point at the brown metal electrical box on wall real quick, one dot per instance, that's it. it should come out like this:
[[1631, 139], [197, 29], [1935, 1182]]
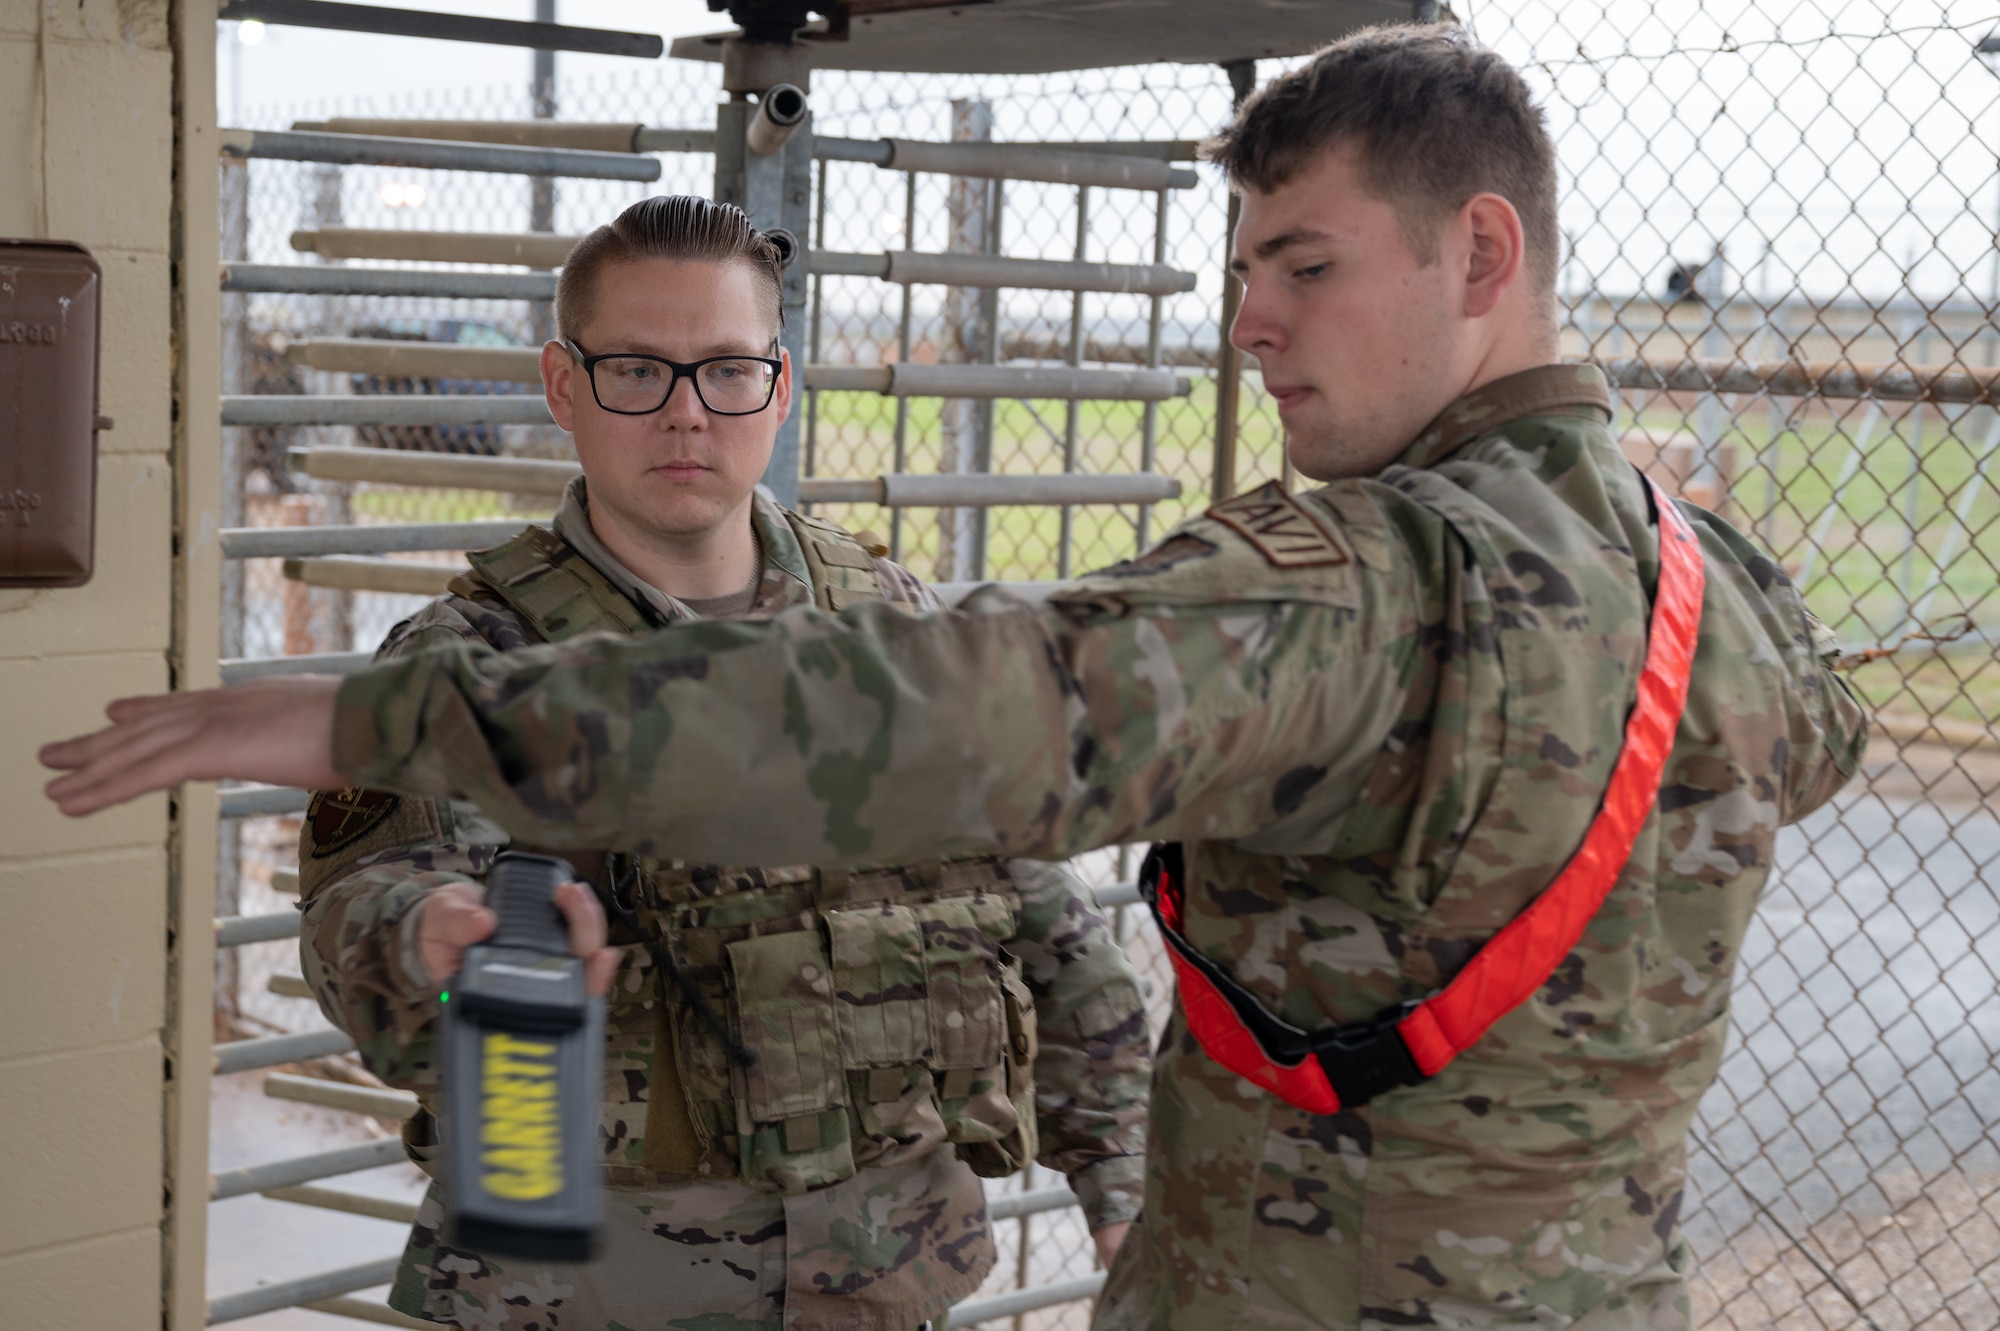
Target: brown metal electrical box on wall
[[49, 300]]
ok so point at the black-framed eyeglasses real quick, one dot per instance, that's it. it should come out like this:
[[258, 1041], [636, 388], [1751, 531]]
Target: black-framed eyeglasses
[[634, 385]]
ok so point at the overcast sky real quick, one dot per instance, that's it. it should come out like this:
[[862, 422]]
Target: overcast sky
[[1850, 140]]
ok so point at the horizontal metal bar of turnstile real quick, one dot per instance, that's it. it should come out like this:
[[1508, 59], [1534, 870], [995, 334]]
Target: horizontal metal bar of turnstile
[[366, 573], [974, 1311], [260, 801], [435, 154], [303, 1289], [365, 539], [535, 250], [446, 27], [387, 409], [360, 573], [339, 1095], [912, 268], [305, 1168], [904, 267], [1116, 894], [591, 136], [1013, 1205], [237, 930], [621, 136], [1009, 161], [340, 1199], [1891, 382], [367, 1310], [907, 379], [298, 280], [238, 668], [449, 471], [287, 880], [780, 110], [288, 984], [980, 490], [546, 476], [267, 1051]]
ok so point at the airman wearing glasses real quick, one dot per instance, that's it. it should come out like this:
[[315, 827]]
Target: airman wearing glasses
[[751, 1186]]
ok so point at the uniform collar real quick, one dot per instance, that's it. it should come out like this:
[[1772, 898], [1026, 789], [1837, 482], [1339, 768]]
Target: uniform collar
[[1544, 390], [785, 582]]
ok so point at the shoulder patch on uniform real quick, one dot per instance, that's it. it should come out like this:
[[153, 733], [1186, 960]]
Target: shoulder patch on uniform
[[1281, 529], [336, 819]]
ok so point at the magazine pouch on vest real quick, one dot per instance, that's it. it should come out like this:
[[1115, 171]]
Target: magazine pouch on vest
[[842, 573], [884, 1020]]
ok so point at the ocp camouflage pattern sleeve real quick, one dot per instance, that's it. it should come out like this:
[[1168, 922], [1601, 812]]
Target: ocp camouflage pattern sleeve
[[1093, 1063], [1220, 685], [1824, 727], [368, 859]]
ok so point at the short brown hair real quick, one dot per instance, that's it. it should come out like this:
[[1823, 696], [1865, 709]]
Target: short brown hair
[[669, 226], [1436, 119]]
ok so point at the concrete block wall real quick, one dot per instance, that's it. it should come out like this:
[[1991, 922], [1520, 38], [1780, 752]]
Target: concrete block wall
[[90, 1017]]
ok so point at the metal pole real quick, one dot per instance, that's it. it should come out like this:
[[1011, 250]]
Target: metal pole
[[1229, 360], [236, 376], [1065, 552], [811, 463], [969, 210], [902, 357], [542, 189], [1709, 424], [424, 154], [1149, 425], [986, 408], [775, 189], [1913, 487]]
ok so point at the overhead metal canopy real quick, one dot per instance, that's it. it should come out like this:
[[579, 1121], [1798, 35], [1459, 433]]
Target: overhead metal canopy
[[1048, 36]]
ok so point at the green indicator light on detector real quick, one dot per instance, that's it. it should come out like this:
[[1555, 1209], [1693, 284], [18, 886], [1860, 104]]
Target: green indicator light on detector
[[445, 996]]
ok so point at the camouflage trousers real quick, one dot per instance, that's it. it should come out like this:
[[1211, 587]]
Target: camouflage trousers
[[720, 1256]]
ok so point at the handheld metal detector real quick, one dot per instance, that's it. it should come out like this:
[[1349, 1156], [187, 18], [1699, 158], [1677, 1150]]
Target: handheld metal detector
[[523, 1072]]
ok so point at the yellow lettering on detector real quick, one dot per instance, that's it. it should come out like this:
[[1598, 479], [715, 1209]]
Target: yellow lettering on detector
[[521, 1147]]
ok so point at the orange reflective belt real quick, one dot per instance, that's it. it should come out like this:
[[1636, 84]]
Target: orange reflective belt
[[1346, 1066]]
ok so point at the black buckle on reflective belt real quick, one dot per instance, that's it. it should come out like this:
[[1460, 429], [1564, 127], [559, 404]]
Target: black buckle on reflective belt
[[1361, 1060], [1367, 1058]]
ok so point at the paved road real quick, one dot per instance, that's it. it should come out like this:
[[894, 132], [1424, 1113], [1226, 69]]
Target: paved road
[[1867, 1017]]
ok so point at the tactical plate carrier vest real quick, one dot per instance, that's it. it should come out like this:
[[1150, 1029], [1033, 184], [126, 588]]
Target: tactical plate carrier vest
[[790, 1026]]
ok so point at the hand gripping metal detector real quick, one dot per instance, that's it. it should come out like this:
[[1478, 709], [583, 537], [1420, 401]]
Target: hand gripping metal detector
[[523, 1072]]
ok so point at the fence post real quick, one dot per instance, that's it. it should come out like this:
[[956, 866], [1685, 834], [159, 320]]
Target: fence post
[[775, 189], [1149, 420], [1228, 360], [1066, 539], [1705, 475], [542, 189], [969, 208], [902, 437]]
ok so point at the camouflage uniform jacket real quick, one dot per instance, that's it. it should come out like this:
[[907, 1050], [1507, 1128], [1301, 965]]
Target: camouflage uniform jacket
[[1380, 716], [670, 1116]]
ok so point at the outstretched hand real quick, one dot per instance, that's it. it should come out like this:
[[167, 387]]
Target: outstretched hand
[[274, 730]]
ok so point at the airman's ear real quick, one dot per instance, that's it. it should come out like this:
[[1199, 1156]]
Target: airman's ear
[[781, 397], [560, 377], [1494, 248]]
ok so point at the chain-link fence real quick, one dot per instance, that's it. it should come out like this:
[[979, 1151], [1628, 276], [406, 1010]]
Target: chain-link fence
[[1780, 228]]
